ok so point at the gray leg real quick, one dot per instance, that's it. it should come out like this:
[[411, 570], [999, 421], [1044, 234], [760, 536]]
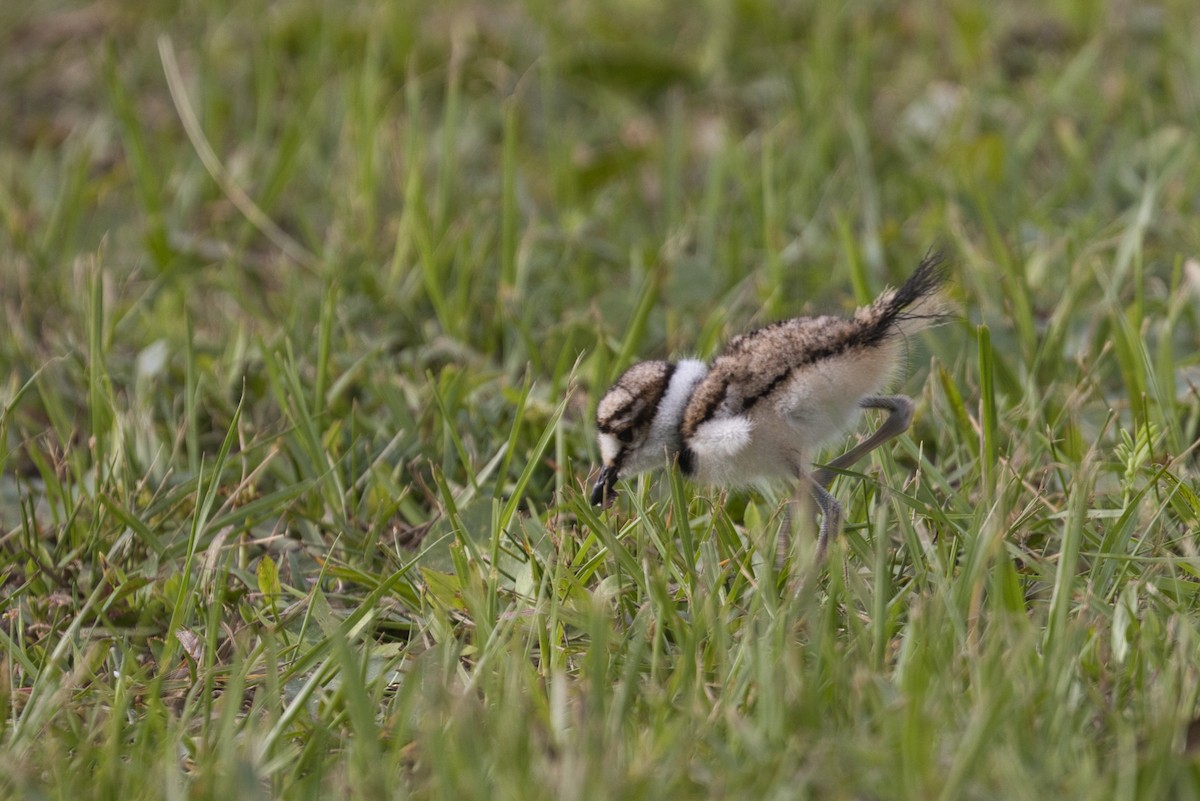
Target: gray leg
[[831, 516], [784, 543], [897, 423], [831, 520]]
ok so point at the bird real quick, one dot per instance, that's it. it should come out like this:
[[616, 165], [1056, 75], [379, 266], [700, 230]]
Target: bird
[[771, 399]]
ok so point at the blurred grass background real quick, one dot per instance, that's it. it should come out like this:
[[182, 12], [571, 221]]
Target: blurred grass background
[[308, 304]]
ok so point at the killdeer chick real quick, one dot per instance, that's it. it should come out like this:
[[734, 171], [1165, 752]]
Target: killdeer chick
[[770, 400]]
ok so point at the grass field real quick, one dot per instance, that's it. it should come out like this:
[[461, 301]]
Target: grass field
[[308, 305]]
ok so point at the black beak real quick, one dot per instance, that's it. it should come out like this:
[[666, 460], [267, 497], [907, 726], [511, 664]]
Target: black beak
[[605, 489]]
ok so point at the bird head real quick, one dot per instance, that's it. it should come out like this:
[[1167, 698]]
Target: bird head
[[638, 424]]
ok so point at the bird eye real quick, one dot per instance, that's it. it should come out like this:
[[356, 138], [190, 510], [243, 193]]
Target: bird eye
[[626, 436]]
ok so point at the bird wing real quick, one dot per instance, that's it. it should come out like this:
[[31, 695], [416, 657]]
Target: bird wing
[[756, 364]]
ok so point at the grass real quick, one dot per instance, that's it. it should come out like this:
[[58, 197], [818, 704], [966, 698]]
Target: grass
[[308, 305]]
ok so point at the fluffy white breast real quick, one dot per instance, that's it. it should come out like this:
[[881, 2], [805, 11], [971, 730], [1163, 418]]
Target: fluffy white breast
[[722, 438]]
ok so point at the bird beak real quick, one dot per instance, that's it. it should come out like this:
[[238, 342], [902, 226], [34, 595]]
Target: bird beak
[[605, 489]]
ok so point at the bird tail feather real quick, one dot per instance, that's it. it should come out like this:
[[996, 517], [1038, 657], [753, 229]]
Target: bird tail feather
[[915, 305]]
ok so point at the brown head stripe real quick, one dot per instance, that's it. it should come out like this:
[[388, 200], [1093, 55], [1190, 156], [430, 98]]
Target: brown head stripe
[[649, 407]]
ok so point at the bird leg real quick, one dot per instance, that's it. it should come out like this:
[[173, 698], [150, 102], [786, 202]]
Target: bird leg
[[898, 421], [817, 482], [831, 516]]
